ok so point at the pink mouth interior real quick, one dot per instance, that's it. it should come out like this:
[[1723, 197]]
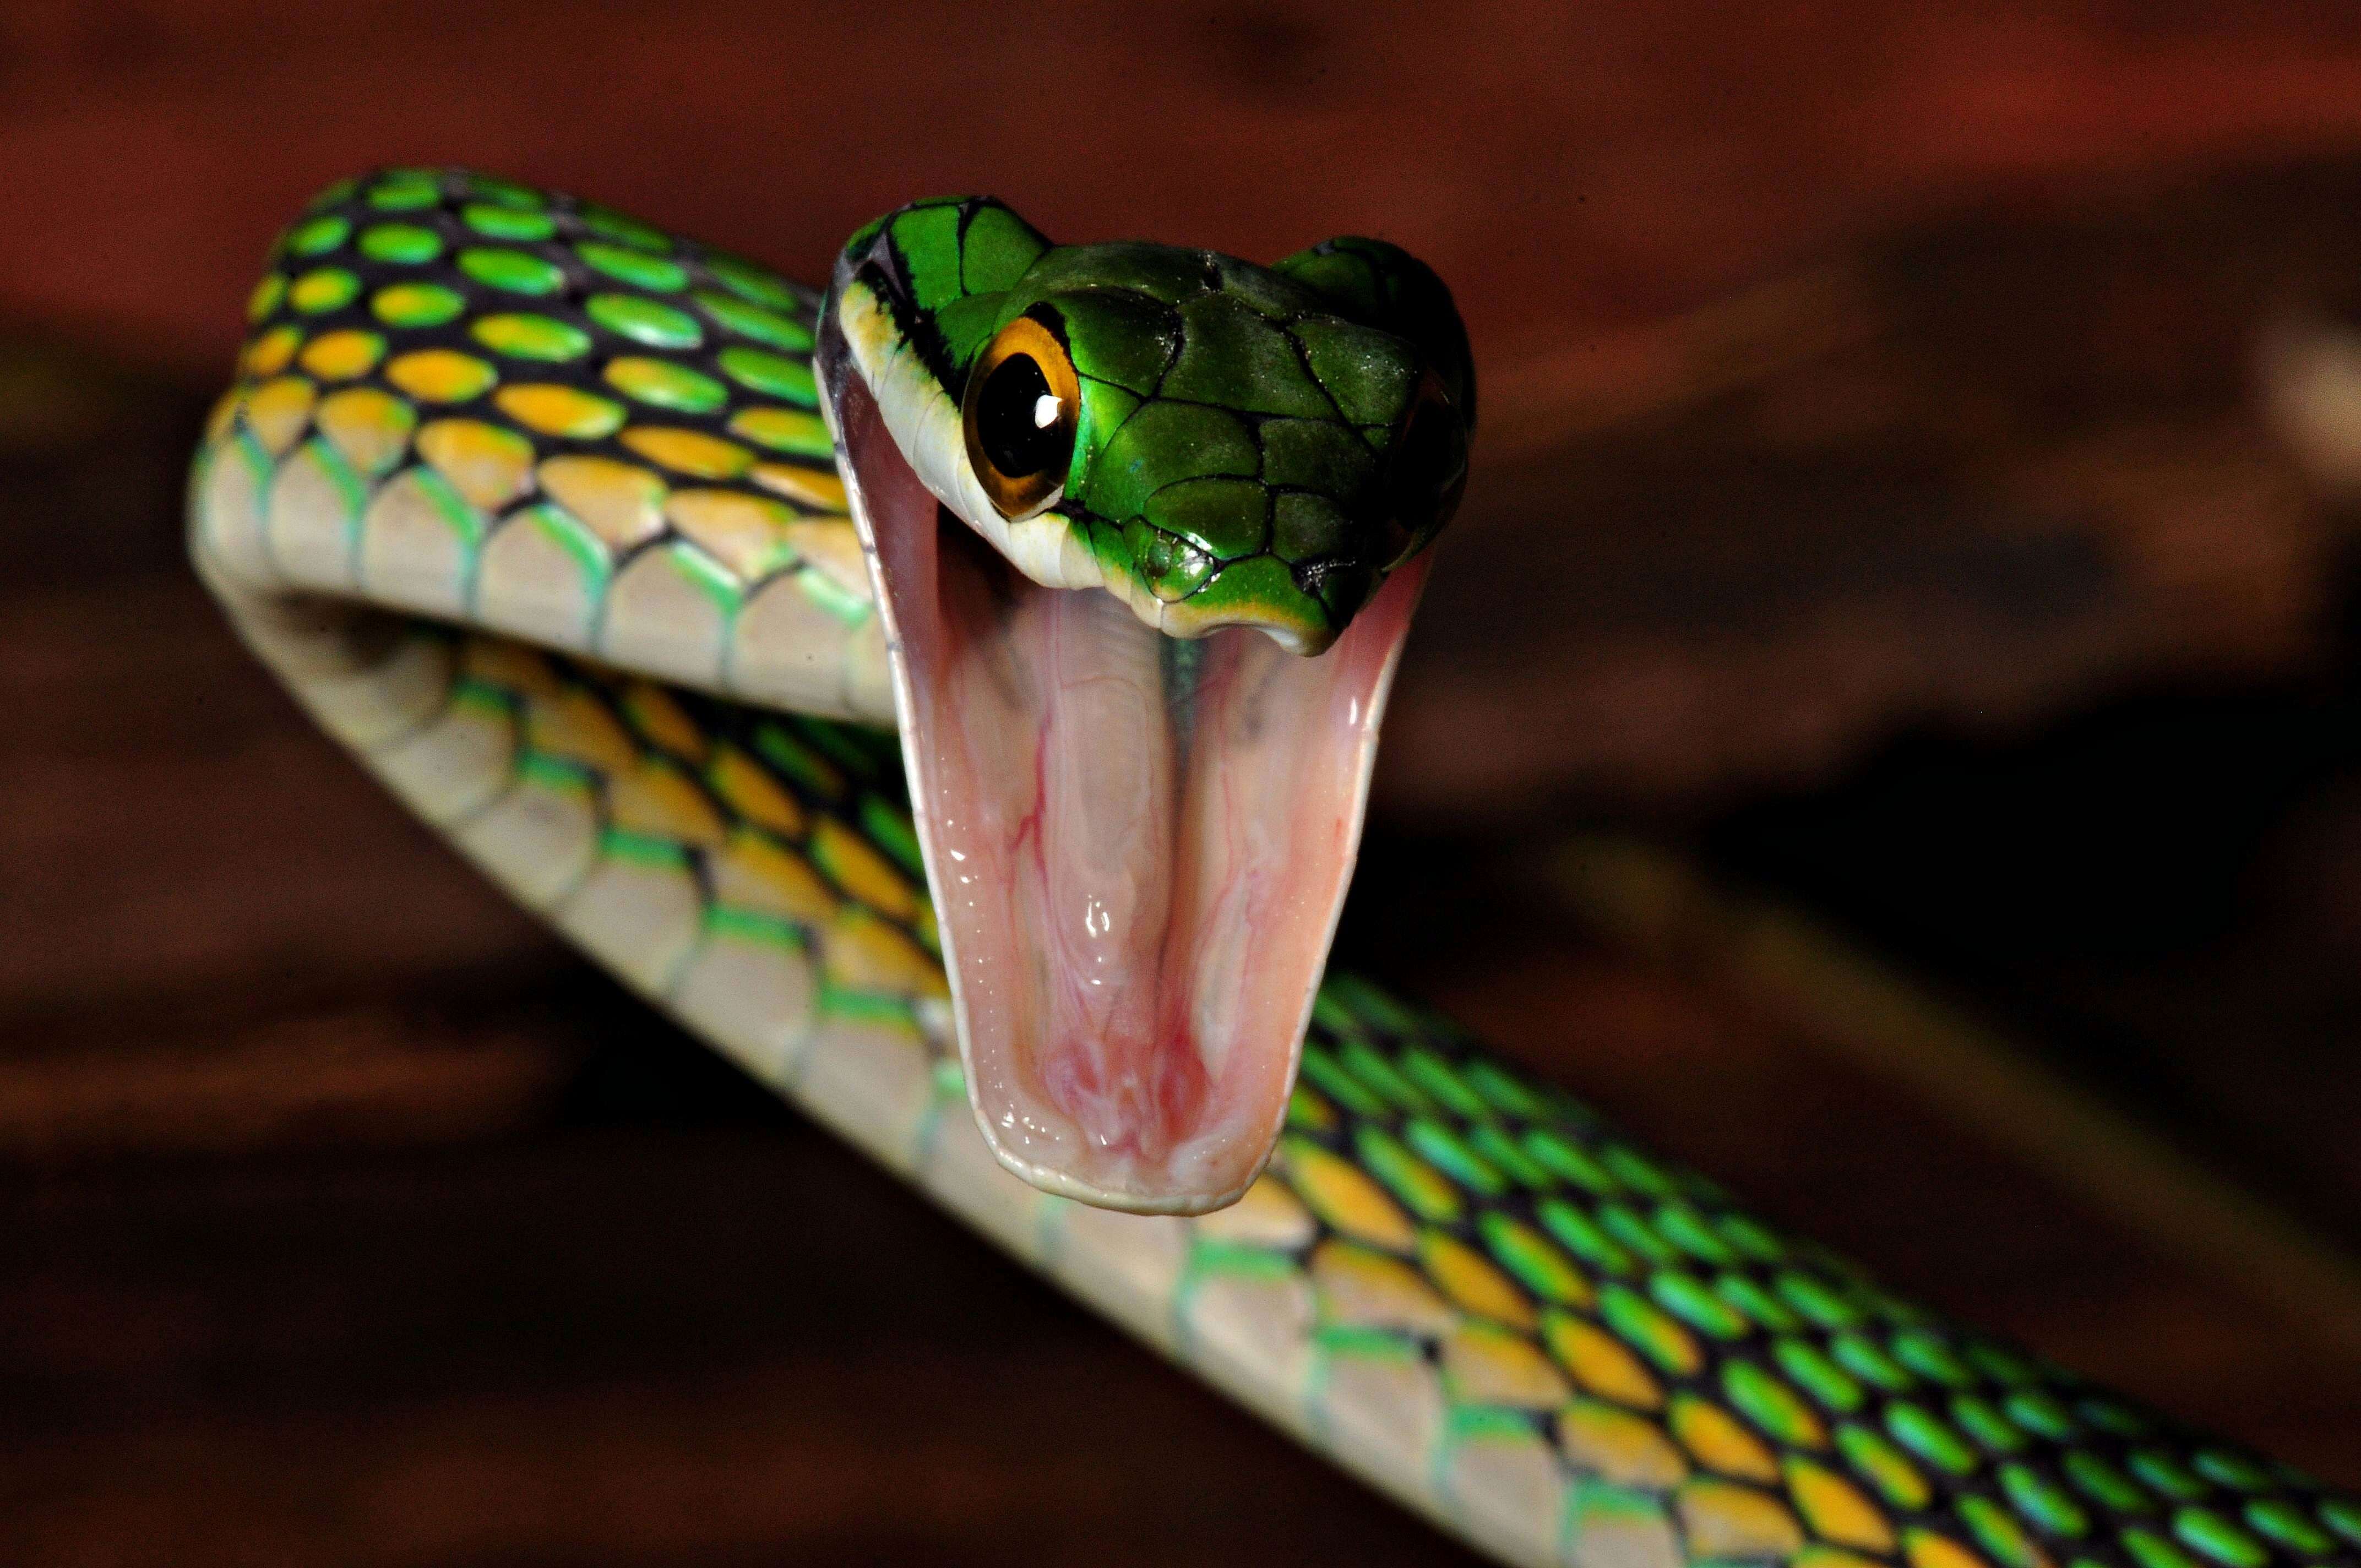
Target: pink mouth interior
[[1137, 847]]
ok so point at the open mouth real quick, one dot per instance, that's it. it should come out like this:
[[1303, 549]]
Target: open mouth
[[1137, 845]]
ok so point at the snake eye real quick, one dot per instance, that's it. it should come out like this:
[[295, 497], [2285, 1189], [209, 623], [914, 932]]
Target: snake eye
[[1022, 404], [1428, 471]]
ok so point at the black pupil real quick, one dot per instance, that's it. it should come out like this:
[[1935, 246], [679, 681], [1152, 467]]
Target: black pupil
[[1008, 420]]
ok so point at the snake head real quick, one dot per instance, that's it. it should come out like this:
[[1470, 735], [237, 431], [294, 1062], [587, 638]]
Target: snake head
[[1214, 442], [1140, 807]]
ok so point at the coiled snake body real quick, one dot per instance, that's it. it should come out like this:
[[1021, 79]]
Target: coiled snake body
[[548, 517]]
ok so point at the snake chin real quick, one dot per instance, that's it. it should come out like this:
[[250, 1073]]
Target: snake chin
[[1137, 844]]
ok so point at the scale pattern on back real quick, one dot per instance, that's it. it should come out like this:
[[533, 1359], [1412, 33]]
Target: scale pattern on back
[[1457, 1281], [532, 414]]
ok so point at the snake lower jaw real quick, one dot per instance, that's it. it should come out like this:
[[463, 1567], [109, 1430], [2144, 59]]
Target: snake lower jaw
[[1137, 845]]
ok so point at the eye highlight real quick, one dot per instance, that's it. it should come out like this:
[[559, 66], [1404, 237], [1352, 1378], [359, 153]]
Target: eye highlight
[[1022, 404]]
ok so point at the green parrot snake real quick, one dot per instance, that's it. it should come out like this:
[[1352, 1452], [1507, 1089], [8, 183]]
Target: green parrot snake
[[620, 560]]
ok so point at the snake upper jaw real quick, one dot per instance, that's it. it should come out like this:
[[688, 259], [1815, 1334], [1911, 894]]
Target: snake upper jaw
[[1137, 846]]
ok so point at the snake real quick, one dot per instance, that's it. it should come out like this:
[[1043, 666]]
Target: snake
[[951, 694]]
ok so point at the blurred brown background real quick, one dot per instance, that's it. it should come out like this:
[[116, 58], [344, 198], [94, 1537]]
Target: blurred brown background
[[1886, 726]]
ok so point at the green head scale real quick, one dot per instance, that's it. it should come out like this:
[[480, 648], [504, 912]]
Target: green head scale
[[1216, 443]]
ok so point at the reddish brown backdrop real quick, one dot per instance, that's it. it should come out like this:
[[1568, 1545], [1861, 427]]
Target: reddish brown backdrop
[[345, 1219]]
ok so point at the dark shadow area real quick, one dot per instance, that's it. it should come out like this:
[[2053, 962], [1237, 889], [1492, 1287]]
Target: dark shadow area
[[2159, 891]]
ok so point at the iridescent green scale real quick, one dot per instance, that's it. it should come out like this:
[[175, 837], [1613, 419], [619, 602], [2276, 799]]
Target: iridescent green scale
[[1846, 1419], [1236, 423], [619, 432], [474, 290]]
